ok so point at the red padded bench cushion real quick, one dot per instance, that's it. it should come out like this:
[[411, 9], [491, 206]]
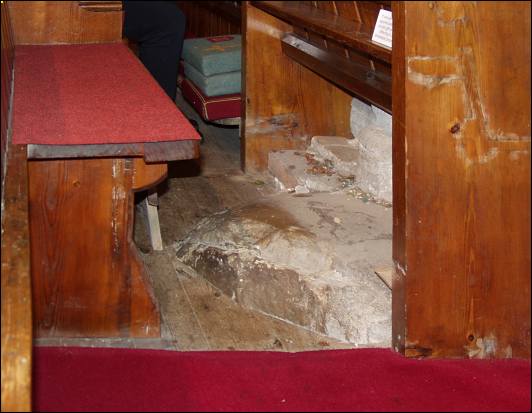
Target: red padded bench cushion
[[211, 108], [90, 94]]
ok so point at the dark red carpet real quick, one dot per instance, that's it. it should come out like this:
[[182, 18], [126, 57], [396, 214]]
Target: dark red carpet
[[81, 379], [90, 94]]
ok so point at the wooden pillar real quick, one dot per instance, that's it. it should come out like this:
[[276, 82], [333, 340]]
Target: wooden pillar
[[461, 105]]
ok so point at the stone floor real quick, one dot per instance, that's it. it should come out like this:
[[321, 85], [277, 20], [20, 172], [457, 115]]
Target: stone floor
[[309, 259]]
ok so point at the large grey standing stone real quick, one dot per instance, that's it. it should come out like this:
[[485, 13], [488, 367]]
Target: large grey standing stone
[[362, 116], [308, 260], [373, 142]]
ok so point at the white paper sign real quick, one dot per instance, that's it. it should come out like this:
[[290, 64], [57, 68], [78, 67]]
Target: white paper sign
[[383, 28]]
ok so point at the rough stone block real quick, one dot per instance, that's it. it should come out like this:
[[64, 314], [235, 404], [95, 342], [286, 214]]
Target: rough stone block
[[373, 170], [282, 165], [308, 260], [361, 116], [383, 120], [337, 150]]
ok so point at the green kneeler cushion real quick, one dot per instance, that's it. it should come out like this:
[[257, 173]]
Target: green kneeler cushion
[[214, 55], [215, 85]]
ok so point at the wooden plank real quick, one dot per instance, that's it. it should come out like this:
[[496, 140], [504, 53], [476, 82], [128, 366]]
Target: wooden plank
[[463, 257], [353, 34], [151, 151], [357, 79], [16, 287]]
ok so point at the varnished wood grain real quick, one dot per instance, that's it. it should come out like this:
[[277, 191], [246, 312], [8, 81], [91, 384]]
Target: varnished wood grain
[[212, 18], [462, 179], [16, 287], [147, 175], [49, 22], [87, 278], [373, 87], [286, 104]]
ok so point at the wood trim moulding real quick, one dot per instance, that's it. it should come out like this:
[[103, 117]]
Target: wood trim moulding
[[375, 87], [150, 151], [100, 6]]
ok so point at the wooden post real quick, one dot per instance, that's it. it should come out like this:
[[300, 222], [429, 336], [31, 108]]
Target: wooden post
[[461, 105]]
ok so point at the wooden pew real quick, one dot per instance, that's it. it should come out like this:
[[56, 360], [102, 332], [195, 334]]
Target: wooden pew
[[88, 280], [37, 201]]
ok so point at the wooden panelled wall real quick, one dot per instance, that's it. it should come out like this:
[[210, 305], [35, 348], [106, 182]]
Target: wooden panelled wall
[[212, 18], [461, 142]]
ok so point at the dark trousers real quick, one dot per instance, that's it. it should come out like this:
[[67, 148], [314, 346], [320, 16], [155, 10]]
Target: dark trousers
[[159, 29]]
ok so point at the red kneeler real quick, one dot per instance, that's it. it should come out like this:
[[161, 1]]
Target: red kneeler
[[214, 108]]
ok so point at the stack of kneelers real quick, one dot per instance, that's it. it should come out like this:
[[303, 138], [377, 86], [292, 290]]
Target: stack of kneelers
[[212, 76]]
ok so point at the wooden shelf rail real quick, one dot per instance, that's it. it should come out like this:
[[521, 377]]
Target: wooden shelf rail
[[375, 87]]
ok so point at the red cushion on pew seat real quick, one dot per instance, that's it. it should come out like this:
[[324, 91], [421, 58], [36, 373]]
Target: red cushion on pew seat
[[90, 94], [214, 107]]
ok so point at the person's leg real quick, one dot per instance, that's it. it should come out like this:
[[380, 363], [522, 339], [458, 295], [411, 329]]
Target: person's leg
[[159, 27]]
